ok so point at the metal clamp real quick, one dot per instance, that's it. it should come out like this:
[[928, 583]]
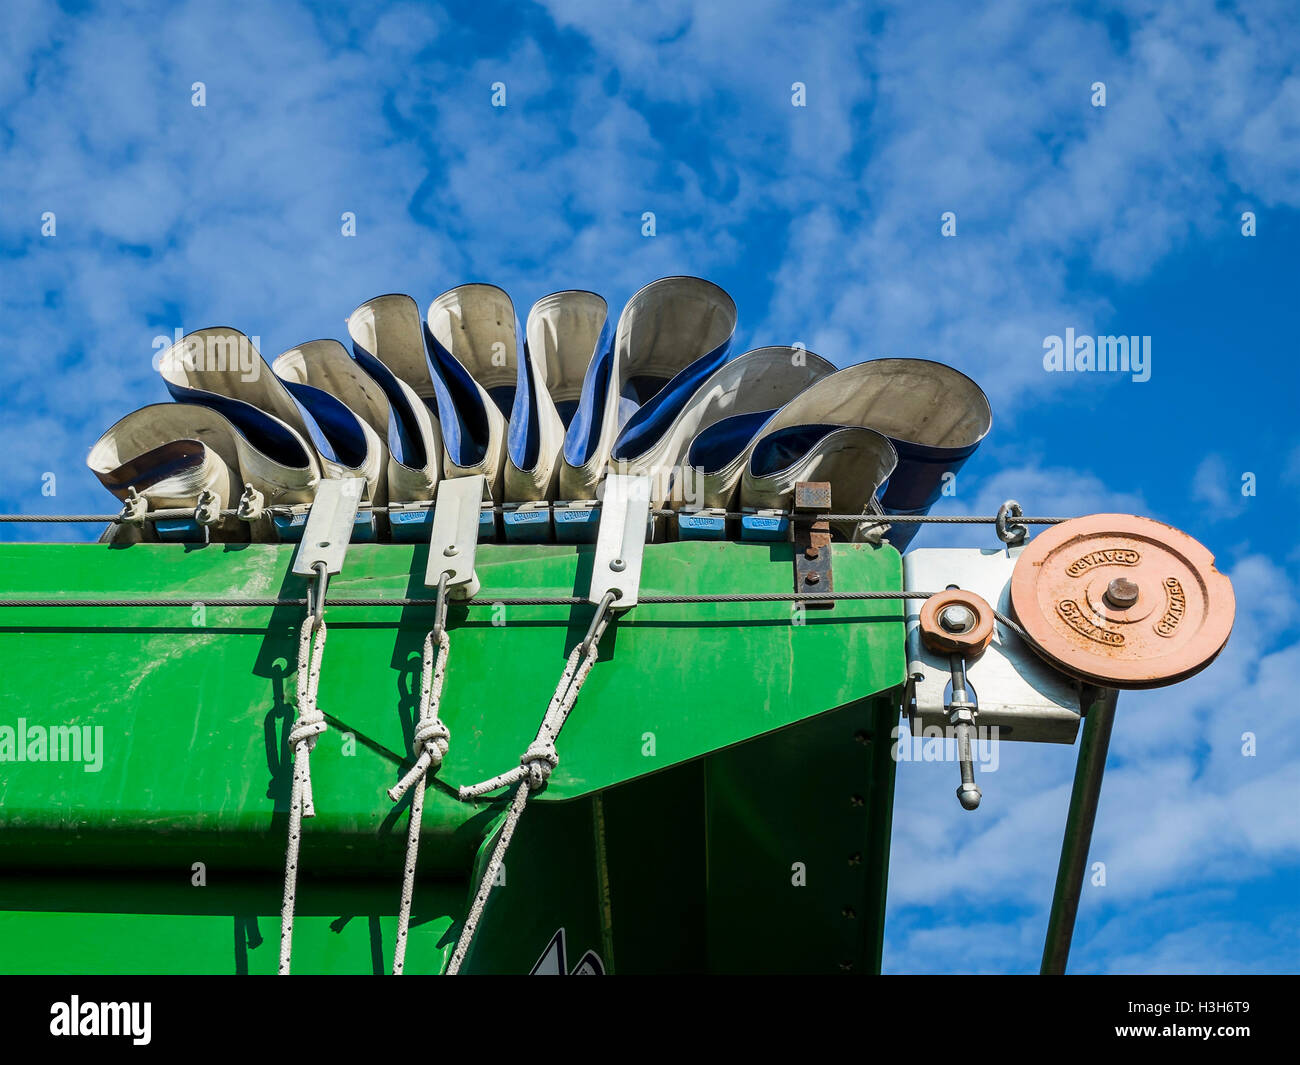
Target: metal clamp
[[252, 504], [620, 540], [812, 541], [134, 508], [453, 541], [207, 510]]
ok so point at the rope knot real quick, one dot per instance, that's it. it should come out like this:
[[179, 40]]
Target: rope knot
[[538, 761], [434, 738], [309, 725]]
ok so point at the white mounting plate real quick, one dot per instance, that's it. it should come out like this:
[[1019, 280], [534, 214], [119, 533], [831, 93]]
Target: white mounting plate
[[620, 540], [328, 531], [454, 538], [1018, 692]]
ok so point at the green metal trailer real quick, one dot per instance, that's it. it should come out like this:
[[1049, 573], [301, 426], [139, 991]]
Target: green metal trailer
[[722, 802]]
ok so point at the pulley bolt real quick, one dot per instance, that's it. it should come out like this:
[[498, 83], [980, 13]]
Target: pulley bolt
[[957, 618], [451, 549], [811, 553], [811, 578], [617, 565], [1121, 593]]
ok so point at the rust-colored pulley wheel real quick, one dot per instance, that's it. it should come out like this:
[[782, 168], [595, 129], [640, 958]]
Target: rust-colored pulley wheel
[[957, 622], [1122, 601]]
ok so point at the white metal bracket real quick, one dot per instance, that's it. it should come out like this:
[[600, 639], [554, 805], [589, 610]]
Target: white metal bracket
[[454, 539], [620, 540], [328, 531]]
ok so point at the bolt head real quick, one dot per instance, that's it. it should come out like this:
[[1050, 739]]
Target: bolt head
[[1121, 593], [957, 618], [617, 565], [451, 549]]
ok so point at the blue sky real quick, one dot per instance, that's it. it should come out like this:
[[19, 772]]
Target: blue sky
[[823, 222]]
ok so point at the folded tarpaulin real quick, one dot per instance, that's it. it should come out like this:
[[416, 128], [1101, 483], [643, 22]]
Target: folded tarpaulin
[[171, 454], [387, 336], [296, 426], [855, 461], [717, 420], [933, 416], [671, 335], [482, 384], [320, 370], [936, 418], [568, 338]]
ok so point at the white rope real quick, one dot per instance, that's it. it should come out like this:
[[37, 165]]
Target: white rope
[[531, 774], [309, 725], [431, 740]]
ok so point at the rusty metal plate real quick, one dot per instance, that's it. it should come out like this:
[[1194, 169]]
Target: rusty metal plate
[[813, 569], [1122, 601]]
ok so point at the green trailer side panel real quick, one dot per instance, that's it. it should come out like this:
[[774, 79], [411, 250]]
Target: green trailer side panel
[[100, 922], [105, 923], [657, 871], [798, 859], [195, 702], [551, 882], [660, 843]]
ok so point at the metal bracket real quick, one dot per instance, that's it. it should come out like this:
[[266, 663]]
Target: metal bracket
[[454, 539], [620, 540], [328, 531], [1021, 697], [812, 541]]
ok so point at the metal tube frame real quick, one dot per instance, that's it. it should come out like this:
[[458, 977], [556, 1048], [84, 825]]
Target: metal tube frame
[[1088, 771]]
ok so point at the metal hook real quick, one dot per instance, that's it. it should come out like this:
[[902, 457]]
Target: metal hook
[[598, 621], [1009, 531], [440, 607], [316, 602]]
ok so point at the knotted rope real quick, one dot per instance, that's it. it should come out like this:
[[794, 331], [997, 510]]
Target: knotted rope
[[431, 739], [531, 774], [308, 726]]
